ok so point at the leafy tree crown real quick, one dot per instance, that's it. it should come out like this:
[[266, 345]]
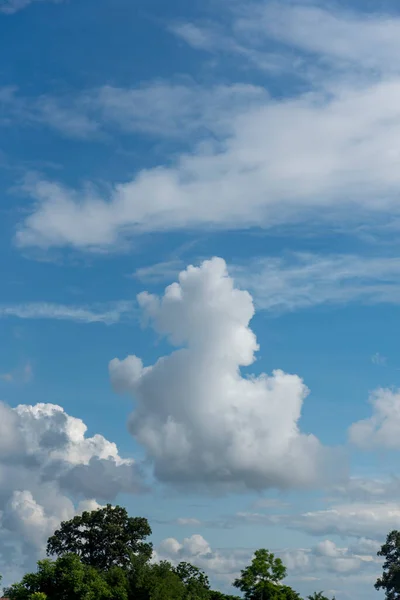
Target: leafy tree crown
[[102, 538]]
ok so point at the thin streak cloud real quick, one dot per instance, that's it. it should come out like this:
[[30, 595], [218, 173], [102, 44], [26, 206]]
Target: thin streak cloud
[[107, 314]]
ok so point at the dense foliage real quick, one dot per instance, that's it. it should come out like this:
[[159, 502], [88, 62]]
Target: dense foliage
[[104, 555], [390, 580], [261, 579], [102, 538]]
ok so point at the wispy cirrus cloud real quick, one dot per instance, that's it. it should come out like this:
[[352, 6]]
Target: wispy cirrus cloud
[[159, 272], [343, 37], [296, 281], [325, 158], [169, 109], [218, 40], [279, 284], [303, 280], [368, 40], [62, 114], [325, 152], [108, 314]]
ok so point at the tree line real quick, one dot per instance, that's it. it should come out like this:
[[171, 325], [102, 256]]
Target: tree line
[[104, 555]]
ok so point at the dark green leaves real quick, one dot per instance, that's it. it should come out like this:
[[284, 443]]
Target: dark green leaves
[[195, 581], [102, 538], [259, 580], [65, 579], [390, 580]]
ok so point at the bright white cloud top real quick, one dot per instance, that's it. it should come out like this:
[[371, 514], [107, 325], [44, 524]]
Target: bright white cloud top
[[201, 421], [47, 465]]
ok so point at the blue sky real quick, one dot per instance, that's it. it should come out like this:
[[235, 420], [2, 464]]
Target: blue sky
[[259, 144]]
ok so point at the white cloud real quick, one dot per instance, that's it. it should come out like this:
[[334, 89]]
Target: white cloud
[[304, 280], [188, 522], [62, 114], [326, 563], [365, 547], [278, 284], [326, 156], [368, 489], [47, 464], [372, 520], [327, 557], [223, 565], [326, 153], [198, 37], [200, 421], [367, 40], [215, 39], [159, 272], [108, 314], [382, 429], [173, 109], [336, 37], [156, 108]]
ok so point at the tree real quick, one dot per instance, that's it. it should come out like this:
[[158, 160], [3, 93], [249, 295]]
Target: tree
[[214, 595], [390, 580], [102, 538], [156, 582], [260, 580], [195, 581], [118, 581], [32, 583], [318, 596], [67, 578], [285, 592]]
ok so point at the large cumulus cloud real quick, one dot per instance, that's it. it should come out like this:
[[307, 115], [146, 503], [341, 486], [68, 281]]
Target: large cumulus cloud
[[201, 421], [49, 470]]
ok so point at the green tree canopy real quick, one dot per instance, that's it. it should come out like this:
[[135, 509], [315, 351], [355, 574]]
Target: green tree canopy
[[38, 596], [390, 580], [215, 595], [67, 578], [156, 582], [261, 579], [102, 538], [285, 592], [195, 581]]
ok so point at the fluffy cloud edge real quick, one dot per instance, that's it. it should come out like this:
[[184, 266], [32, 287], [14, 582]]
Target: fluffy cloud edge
[[203, 423]]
